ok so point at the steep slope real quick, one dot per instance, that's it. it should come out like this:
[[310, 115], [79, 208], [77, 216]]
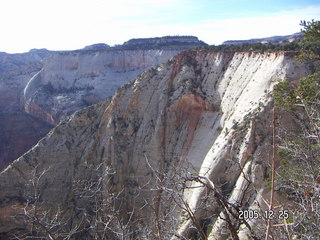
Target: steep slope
[[124, 168]]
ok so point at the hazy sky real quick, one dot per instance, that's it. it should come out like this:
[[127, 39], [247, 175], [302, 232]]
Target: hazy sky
[[73, 24]]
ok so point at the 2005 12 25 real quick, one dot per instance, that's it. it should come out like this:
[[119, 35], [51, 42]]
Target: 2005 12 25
[[266, 214]]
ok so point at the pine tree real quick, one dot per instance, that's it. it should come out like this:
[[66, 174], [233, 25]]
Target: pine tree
[[311, 42]]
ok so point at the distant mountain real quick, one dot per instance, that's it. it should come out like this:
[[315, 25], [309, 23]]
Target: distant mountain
[[274, 39], [166, 42]]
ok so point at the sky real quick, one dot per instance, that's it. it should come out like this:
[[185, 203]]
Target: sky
[[74, 24]]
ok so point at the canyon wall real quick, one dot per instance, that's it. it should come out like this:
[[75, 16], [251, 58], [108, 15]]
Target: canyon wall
[[69, 81], [201, 116]]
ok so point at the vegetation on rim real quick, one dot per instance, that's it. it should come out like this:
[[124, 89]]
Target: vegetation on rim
[[298, 176]]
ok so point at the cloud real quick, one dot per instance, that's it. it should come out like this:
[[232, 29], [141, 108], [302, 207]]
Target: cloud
[[280, 23], [73, 24]]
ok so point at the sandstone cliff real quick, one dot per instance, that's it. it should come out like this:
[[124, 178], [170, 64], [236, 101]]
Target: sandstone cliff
[[130, 167], [69, 81]]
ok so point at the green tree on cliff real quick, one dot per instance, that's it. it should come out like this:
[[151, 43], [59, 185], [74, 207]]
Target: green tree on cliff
[[311, 40], [299, 150]]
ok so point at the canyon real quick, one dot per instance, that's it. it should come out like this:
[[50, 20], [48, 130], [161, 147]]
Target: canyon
[[44, 86], [152, 161]]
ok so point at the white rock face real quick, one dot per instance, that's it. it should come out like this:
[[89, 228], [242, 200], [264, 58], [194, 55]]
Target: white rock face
[[242, 88], [71, 80], [201, 114]]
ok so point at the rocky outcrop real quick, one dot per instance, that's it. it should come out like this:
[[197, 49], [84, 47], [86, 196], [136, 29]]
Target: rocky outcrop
[[97, 46], [202, 115]]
